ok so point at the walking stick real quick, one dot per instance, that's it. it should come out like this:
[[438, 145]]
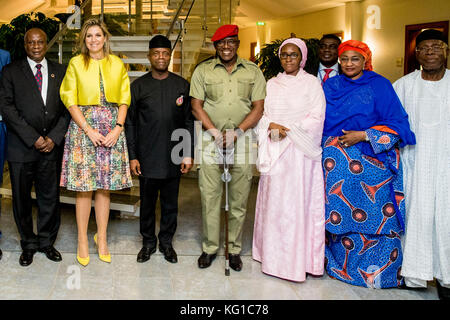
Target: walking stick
[[226, 177]]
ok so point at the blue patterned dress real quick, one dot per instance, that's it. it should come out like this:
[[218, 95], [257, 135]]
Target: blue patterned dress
[[365, 207]]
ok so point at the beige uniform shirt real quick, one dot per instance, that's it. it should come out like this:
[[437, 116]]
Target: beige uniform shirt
[[227, 96]]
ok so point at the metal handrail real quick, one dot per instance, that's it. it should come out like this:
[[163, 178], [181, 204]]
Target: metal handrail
[[129, 17], [175, 18], [183, 24], [205, 24], [63, 30]]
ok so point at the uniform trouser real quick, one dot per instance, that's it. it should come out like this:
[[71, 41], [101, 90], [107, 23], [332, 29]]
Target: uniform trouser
[[168, 197], [45, 176], [211, 190]]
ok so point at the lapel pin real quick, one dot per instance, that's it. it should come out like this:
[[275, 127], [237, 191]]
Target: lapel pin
[[52, 75], [179, 101]]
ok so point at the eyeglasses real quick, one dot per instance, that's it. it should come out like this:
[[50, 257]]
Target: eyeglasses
[[434, 49], [229, 42], [354, 60], [293, 55]]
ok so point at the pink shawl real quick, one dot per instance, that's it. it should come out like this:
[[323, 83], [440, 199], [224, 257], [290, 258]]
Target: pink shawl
[[298, 103]]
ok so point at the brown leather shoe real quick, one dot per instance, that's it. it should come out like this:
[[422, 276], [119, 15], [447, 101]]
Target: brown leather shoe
[[235, 262], [205, 260]]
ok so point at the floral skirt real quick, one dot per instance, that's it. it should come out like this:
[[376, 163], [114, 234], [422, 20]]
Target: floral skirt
[[88, 168]]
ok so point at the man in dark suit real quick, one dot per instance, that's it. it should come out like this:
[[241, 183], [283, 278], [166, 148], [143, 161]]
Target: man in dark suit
[[37, 121], [328, 57], [160, 106]]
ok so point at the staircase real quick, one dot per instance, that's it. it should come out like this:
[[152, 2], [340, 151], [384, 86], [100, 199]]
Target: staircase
[[192, 27], [189, 27], [189, 24]]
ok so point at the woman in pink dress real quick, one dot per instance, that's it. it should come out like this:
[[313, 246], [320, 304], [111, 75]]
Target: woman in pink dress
[[289, 232]]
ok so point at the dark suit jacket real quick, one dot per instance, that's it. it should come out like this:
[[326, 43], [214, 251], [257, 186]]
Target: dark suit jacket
[[26, 116]]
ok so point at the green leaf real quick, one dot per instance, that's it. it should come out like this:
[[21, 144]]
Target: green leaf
[[12, 34], [270, 64]]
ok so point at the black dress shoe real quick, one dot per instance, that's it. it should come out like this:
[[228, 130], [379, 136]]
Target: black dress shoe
[[51, 253], [443, 293], [205, 260], [26, 258], [145, 253], [169, 254], [235, 262]]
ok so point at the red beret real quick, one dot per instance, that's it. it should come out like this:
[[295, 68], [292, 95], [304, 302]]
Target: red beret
[[227, 30]]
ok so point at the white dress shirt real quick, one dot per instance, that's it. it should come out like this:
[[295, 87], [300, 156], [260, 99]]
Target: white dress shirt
[[321, 73], [44, 71]]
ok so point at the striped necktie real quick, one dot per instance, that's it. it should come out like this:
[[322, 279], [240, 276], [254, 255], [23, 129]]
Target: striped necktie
[[38, 76]]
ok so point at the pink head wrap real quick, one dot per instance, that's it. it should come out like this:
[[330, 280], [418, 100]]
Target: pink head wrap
[[301, 45]]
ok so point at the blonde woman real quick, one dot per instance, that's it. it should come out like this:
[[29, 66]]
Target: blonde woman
[[96, 90]]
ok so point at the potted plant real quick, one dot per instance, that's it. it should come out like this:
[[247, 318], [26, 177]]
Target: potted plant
[[270, 64], [12, 34]]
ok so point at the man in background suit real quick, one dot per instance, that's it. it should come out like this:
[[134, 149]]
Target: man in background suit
[[5, 59], [37, 122], [328, 57]]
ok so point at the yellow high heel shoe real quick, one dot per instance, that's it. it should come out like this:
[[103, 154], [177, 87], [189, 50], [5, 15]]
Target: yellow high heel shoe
[[103, 257], [83, 261]]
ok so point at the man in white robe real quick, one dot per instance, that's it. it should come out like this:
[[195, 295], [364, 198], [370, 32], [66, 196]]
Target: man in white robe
[[425, 95]]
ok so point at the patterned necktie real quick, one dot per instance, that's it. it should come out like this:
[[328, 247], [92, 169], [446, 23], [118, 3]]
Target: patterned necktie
[[327, 75], [38, 76]]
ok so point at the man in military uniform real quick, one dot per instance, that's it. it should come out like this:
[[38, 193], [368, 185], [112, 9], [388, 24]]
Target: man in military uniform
[[228, 98]]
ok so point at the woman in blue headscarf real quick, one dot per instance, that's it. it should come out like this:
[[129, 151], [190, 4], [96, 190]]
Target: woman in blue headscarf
[[365, 125]]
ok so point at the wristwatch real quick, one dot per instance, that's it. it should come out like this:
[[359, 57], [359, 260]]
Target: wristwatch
[[119, 124]]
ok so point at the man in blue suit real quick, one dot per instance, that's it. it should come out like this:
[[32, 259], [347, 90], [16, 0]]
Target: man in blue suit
[[5, 59]]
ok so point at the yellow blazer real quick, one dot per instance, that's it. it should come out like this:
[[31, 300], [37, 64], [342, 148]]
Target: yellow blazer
[[81, 86]]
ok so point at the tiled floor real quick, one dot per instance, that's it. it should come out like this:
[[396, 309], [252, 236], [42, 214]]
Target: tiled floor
[[124, 278]]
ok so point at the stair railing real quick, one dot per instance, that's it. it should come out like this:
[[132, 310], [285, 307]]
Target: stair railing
[[204, 25], [182, 22], [175, 18], [63, 29]]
